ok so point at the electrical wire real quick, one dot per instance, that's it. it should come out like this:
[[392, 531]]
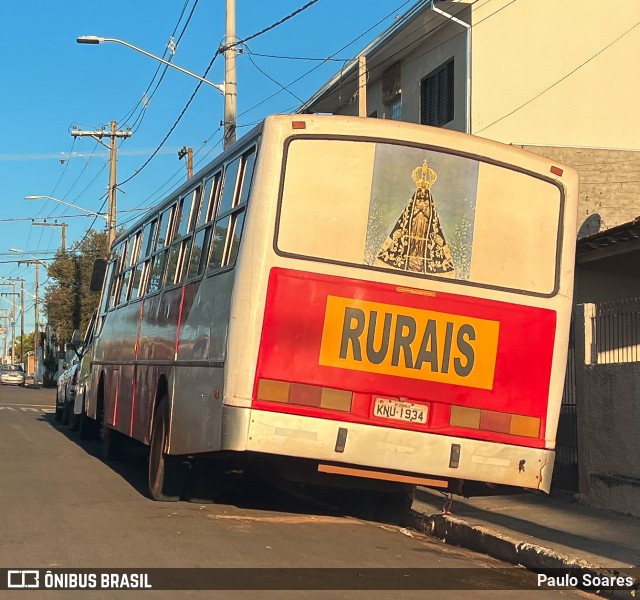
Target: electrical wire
[[285, 88], [145, 100], [269, 28], [307, 58], [353, 41], [559, 80]]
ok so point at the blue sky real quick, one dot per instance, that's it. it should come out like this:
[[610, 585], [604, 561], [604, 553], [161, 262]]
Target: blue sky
[[50, 82]]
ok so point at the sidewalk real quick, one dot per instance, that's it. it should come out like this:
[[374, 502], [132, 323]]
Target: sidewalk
[[537, 531]]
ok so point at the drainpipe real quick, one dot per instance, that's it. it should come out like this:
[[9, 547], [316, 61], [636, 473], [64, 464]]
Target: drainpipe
[[468, 82]]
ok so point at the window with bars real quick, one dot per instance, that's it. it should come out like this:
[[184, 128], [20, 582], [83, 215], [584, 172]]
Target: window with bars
[[436, 91]]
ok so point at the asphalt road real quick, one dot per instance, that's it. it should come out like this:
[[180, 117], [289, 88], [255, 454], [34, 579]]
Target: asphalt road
[[62, 506]]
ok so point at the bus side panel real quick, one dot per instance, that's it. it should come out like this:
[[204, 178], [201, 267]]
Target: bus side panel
[[156, 343], [116, 346], [199, 375]]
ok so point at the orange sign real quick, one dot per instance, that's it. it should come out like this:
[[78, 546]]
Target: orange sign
[[409, 342]]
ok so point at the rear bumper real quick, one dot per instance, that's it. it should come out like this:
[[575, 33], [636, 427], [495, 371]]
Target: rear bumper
[[386, 448]]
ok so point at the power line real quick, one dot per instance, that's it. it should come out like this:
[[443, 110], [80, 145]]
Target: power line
[[171, 47], [184, 110], [270, 27], [353, 41], [286, 89], [307, 58], [559, 80]]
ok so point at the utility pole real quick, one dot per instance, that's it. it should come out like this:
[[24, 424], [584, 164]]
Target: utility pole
[[13, 319], [362, 86], [188, 152], [230, 85], [63, 231], [36, 333], [4, 331], [113, 134], [13, 280]]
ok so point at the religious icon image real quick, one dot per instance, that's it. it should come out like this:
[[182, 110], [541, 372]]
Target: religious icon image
[[417, 242]]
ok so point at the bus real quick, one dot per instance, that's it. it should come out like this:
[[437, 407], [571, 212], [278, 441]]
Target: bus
[[360, 302]]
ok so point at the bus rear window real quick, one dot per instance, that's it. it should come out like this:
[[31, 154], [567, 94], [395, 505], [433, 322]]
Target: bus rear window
[[421, 212]]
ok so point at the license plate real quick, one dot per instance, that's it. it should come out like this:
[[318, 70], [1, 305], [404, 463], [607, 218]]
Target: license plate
[[400, 411]]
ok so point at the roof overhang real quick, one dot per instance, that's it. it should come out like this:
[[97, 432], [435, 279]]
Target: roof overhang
[[610, 242], [396, 42]]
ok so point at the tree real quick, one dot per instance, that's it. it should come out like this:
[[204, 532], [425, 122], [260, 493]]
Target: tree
[[68, 302], [26, 347]]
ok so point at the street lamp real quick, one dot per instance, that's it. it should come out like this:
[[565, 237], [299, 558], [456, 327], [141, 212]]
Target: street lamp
[[227, 89], [104, 216], [94, 39], [110, 219], [36, 333]]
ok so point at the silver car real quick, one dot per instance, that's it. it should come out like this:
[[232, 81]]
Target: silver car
[[11, 375]]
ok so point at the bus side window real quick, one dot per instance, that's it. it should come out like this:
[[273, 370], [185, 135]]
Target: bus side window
[[229, 224], [155, 272], [120, 253], [209, 197], [172, 264], [164, 227], [184, 212], [198, 258], [148, 239], [136, 281], [104, 299], [124, 287]]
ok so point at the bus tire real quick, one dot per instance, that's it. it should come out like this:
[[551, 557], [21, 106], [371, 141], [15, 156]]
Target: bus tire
[[112, 444], [165, 473], [394, 507], [67, 413], [88, 429]]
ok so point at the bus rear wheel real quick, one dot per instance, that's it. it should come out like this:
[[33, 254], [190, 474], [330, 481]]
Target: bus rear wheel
[[165, 472]]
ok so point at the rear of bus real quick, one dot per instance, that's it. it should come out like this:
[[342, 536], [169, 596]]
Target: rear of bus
[[401, 306]]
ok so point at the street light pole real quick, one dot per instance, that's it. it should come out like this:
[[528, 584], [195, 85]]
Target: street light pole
[[36, 332], [36, 305], [13, 316], [109, 217], [13, 280], [94, 39], [230, 83], [229, 88]]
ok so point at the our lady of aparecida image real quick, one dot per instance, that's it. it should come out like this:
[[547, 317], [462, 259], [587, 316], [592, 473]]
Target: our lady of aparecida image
[[416, 242]]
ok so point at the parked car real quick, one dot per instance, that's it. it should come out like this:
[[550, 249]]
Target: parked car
[[66, 392], [11, 375], [88, 428]]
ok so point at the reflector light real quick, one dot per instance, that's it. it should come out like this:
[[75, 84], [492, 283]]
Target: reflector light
[[490, 420], [304, 395], [298, 125], [557, 171]]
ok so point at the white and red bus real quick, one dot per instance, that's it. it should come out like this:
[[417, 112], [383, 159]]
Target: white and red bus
[[361, 299]]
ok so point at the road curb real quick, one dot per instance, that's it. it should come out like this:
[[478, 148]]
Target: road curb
[[458, 532]]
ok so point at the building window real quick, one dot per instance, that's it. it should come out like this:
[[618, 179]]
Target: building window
[[392, 92], [395, 109], [437, 96]]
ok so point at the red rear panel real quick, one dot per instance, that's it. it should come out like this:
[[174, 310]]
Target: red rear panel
[[458, 365]]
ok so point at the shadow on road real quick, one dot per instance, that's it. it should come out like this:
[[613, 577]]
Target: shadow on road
[[211, 482]]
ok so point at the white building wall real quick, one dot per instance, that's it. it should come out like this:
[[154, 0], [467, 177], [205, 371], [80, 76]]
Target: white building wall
[[556, 73]]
